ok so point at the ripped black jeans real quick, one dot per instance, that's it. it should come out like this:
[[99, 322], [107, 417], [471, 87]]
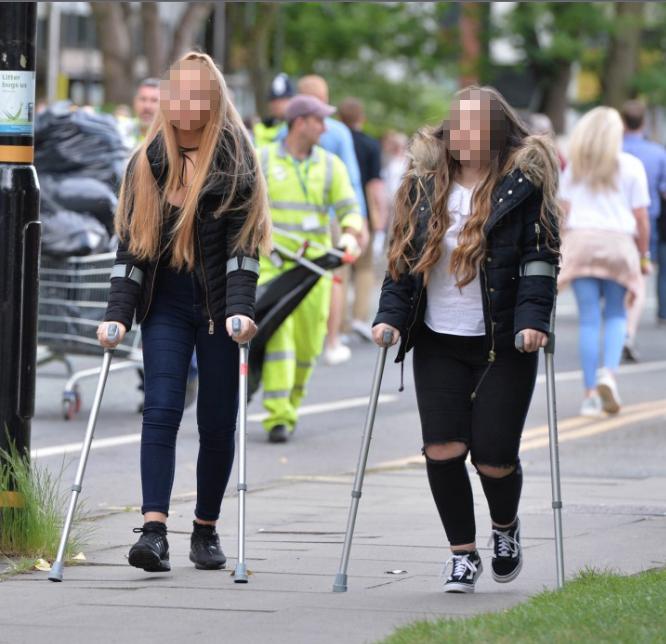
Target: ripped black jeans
[[463, 399]]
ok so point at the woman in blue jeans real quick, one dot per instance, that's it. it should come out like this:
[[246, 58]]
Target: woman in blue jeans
[[191, 220], [604, 194]]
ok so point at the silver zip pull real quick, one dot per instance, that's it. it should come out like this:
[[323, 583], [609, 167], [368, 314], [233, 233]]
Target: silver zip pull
[[537, 229], [211, 327]]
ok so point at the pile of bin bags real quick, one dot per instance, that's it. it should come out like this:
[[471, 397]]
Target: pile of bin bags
[[80, 157]]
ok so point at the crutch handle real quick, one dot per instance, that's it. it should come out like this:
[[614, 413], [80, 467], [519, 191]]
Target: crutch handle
[[387, 338], [520, 342], [236, 326]]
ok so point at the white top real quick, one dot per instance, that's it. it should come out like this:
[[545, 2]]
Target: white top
[[609, 209], [450, 309]]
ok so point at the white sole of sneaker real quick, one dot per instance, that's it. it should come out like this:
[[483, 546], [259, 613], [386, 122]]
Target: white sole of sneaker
[[455, 587], [609, 402], [505, 579]]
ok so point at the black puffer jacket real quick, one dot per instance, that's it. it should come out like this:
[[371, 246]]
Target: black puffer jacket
[[515, 236], [225, 296]]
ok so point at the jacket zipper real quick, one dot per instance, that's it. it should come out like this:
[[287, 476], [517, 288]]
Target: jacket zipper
[[152, 282], [537, 230], [411, 326], [491, 353], [211, 324]]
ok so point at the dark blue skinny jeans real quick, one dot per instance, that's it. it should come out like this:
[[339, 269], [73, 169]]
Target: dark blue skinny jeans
[[177, 324]]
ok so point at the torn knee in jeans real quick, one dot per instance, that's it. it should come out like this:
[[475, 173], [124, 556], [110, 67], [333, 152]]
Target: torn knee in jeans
[[496, 471], [445, 452]]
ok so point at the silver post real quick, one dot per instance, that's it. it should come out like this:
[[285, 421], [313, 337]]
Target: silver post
[[340, 583], [58, 565], [240, 573], [556, 491]]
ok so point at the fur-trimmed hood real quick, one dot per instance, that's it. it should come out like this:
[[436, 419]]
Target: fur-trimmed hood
[[536, 158]]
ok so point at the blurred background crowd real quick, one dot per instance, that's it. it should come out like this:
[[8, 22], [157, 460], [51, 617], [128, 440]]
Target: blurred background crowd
[[388, 67]]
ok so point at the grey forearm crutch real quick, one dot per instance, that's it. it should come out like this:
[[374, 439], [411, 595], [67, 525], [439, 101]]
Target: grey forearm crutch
[[549, 351], [59, 564], [340, 583], [240, 573]]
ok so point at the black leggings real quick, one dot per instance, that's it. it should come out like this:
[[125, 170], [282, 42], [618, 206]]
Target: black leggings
[[463, 398]]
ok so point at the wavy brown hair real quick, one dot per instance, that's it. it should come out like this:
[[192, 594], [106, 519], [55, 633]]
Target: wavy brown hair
[[225, 155], [431, 172]]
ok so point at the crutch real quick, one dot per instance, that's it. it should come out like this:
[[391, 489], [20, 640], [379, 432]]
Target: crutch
[[340, 583], [322, 272], [556, 492], [58, 564], [240, 573]]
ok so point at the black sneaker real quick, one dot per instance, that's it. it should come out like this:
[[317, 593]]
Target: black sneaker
[[465, 570], [507, 561], [205, 550], [151, 551], [278, 434]]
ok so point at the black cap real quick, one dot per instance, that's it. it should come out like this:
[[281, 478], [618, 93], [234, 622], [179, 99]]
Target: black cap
[[281, 87]]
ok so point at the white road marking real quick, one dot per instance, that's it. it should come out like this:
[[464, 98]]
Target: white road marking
[[347, 403], [128, 439]]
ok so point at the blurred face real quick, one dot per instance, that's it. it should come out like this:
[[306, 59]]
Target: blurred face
[[146, 104], [188, 95], [311, 128], [277, 107], [476, 129]]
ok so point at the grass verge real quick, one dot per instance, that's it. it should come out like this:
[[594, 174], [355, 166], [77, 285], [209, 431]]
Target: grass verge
[[32, 531], [594, 607]]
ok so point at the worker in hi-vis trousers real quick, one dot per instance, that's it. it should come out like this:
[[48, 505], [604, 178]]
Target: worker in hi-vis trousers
[[304, 184]]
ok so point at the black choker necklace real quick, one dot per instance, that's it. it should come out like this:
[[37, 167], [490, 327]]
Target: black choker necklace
[[183, 153]]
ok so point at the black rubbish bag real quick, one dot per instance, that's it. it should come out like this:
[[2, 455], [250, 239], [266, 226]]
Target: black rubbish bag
[[66, 233], [79, 142], [89, 195], [276, 300]]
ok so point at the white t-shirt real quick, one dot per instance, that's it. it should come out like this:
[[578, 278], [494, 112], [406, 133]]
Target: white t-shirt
[[450, 309], [609, 209]]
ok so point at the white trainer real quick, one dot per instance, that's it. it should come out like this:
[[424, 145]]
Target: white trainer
[[591, 407], [607, 388], [337, 355]]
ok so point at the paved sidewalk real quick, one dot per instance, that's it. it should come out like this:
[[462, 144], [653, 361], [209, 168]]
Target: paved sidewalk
[[295, 531]]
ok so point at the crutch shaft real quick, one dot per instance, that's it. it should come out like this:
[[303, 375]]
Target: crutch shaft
[[340, 583], [57, 568], [240, 573], [556, 491]]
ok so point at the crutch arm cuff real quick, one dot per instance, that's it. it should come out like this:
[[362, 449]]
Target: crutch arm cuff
[[538, 268]]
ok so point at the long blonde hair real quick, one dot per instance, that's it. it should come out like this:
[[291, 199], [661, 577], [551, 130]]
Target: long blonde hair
[[594, 148], [432, 163], [141, 201]]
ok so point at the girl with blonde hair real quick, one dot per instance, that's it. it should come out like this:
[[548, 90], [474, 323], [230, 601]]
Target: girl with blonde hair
[[472, 262], [192, 218], [604, 194]]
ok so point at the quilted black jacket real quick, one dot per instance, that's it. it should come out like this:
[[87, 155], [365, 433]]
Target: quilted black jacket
[[515, 236], [225, 296]]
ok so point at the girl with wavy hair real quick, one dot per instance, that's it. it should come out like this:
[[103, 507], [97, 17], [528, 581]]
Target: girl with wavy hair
[[472, 262], [192, 218]]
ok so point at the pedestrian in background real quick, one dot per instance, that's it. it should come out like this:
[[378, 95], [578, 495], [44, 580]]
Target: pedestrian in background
[[192, 217], [604, 194], [472, 262], [267, 130], [369, 156], [653, 157], [305, 182], [337, 139]]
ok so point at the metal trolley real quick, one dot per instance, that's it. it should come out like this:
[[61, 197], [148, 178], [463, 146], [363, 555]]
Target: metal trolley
[[73, 293]]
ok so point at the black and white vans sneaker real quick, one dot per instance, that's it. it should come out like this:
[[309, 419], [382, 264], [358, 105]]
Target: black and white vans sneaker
[[507, 560], [465, 570], [151, 551]]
